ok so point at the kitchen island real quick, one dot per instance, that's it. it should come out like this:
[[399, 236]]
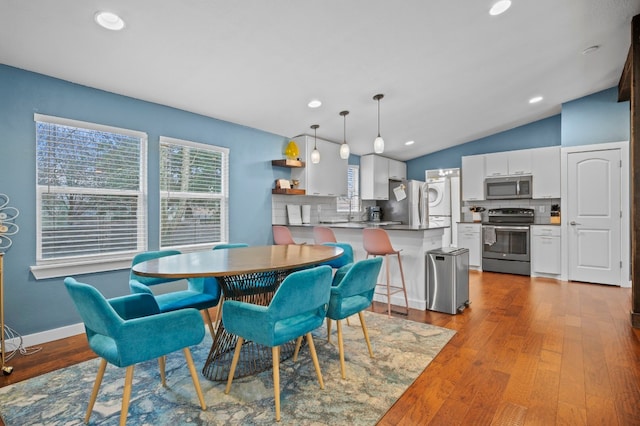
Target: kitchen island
[[413, 241]]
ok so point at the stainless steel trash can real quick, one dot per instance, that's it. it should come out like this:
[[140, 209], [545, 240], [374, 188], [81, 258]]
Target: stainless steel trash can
[[447, 277]]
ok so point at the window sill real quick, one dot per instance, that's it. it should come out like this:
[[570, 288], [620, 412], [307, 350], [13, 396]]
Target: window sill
[[41, 272]]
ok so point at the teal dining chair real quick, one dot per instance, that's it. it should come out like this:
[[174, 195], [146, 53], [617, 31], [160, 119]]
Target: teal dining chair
[[127, 330], [230, 246], [201, 293], [298, 306], [345, 258], [352, 292]]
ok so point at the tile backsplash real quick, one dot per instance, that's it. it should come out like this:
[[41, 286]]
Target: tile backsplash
[[322, 208], [542, 208]]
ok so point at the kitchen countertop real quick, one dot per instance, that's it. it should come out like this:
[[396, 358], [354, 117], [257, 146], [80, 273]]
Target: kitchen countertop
[[394, 226]]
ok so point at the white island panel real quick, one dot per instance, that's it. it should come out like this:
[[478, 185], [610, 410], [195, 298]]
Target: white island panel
[[414, 244]]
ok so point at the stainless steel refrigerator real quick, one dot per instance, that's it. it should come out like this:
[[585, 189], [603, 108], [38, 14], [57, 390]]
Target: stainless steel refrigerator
[[408, 203]]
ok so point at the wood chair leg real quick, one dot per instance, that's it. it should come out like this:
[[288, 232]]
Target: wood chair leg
[[365, 332], [96, 387], [297, 349], [207, 320], [341, 350], [404, 287], [275, 353], [219, 311], [194, 377], [314, 357], [328, 329], [162, 362], [126, 396], [386, 262], [234, 364]]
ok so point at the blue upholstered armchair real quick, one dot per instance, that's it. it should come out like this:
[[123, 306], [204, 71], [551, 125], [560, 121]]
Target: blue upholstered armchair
[[344, 259], [352, 293], [127, 330], [298, 307], [201, 293]]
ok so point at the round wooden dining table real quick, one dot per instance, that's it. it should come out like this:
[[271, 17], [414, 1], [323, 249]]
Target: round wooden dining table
[[248, 274]]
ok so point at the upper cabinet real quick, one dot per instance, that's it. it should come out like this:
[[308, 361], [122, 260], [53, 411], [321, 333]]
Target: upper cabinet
[[542, 163], [508, 163], [397, 169], [329, 176], [473, 177], [374, 177], [546, 172]]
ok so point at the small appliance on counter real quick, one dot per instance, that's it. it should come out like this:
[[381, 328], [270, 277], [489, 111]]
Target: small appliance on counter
[[555, 214], [374, 214]]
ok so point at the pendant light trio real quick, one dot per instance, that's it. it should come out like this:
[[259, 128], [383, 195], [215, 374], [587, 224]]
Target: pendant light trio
[[378, 143]]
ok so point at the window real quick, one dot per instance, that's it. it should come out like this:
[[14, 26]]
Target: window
[[351, 203], [90, 192], [193, 193]]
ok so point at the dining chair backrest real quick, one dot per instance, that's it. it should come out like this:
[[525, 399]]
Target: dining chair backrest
[[360, 279], [149, 255], [344, 259], [376, 241], [282, 235], [230, 246], [322, 234]]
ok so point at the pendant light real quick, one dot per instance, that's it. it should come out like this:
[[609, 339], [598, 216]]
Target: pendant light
[[315, 154], [378, 143], [344, 148]]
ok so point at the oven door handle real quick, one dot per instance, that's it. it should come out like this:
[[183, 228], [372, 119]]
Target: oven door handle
[[510, 228]]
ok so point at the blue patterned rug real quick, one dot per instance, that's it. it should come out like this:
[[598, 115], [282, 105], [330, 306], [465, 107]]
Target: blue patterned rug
[[402, 351]]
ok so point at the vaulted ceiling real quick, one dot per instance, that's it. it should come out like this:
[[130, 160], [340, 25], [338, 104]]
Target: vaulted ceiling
[[450, 73]]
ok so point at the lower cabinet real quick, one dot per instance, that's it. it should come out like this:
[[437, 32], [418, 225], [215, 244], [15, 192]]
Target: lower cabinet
[[469, 237], [545, 250]]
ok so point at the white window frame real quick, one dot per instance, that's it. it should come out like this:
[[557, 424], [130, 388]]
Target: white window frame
[[223, 197], [351, 203], [51, 268]]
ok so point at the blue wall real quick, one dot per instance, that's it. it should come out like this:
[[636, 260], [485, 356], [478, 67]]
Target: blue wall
[[596, 118], [32, 306]]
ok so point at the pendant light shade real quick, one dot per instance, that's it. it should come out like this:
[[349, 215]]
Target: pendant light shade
[[378, 143], [315, 154], [344, 148]]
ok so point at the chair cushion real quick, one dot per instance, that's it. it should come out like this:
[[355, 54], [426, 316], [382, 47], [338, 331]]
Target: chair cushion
[[185, 299]]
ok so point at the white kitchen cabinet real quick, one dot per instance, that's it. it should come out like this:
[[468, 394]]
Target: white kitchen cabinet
[[508, 163], [546, 172], [397, 169], [473, 177], [470, 237], [545, 250], [329, 176], [374, 177]]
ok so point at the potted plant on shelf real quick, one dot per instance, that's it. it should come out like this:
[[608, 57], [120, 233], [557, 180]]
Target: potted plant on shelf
[[475, 210]]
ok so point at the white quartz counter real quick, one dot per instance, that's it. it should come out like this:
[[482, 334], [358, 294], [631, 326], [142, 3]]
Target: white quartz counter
[[414, 243]]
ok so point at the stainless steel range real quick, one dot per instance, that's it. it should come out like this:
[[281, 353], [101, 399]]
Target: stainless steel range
[[505, 240]]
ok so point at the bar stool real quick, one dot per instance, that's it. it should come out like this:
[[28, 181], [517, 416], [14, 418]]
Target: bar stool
[[282, 235], [376, 243], [322, 234]]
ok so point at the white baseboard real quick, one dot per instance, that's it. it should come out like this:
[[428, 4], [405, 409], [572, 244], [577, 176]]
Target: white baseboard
[[45, 336]]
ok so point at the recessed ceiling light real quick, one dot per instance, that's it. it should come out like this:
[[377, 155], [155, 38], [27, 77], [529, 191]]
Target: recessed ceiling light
[[535, 99], [315, 103], [109, 20], [409, 142], [499, 7], [590, 49]]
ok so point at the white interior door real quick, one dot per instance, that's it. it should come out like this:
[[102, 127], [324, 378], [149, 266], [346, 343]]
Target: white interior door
[[594, 222]]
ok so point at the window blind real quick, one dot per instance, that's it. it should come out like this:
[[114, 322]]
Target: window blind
[[193, 193], [90, 190], [351, 203]]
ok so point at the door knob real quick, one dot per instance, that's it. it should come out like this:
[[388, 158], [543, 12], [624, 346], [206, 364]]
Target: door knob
[[574, 223]]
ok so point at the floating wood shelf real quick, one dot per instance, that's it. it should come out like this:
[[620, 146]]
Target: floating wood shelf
[[288, 191], [287, 163]]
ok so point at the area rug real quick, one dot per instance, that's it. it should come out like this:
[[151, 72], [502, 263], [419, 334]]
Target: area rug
[[402, 350]]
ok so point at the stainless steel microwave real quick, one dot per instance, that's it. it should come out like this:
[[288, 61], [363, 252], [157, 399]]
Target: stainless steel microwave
[[505, 188]]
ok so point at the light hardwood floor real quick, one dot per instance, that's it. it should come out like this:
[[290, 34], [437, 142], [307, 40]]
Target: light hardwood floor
[[527, 352]]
